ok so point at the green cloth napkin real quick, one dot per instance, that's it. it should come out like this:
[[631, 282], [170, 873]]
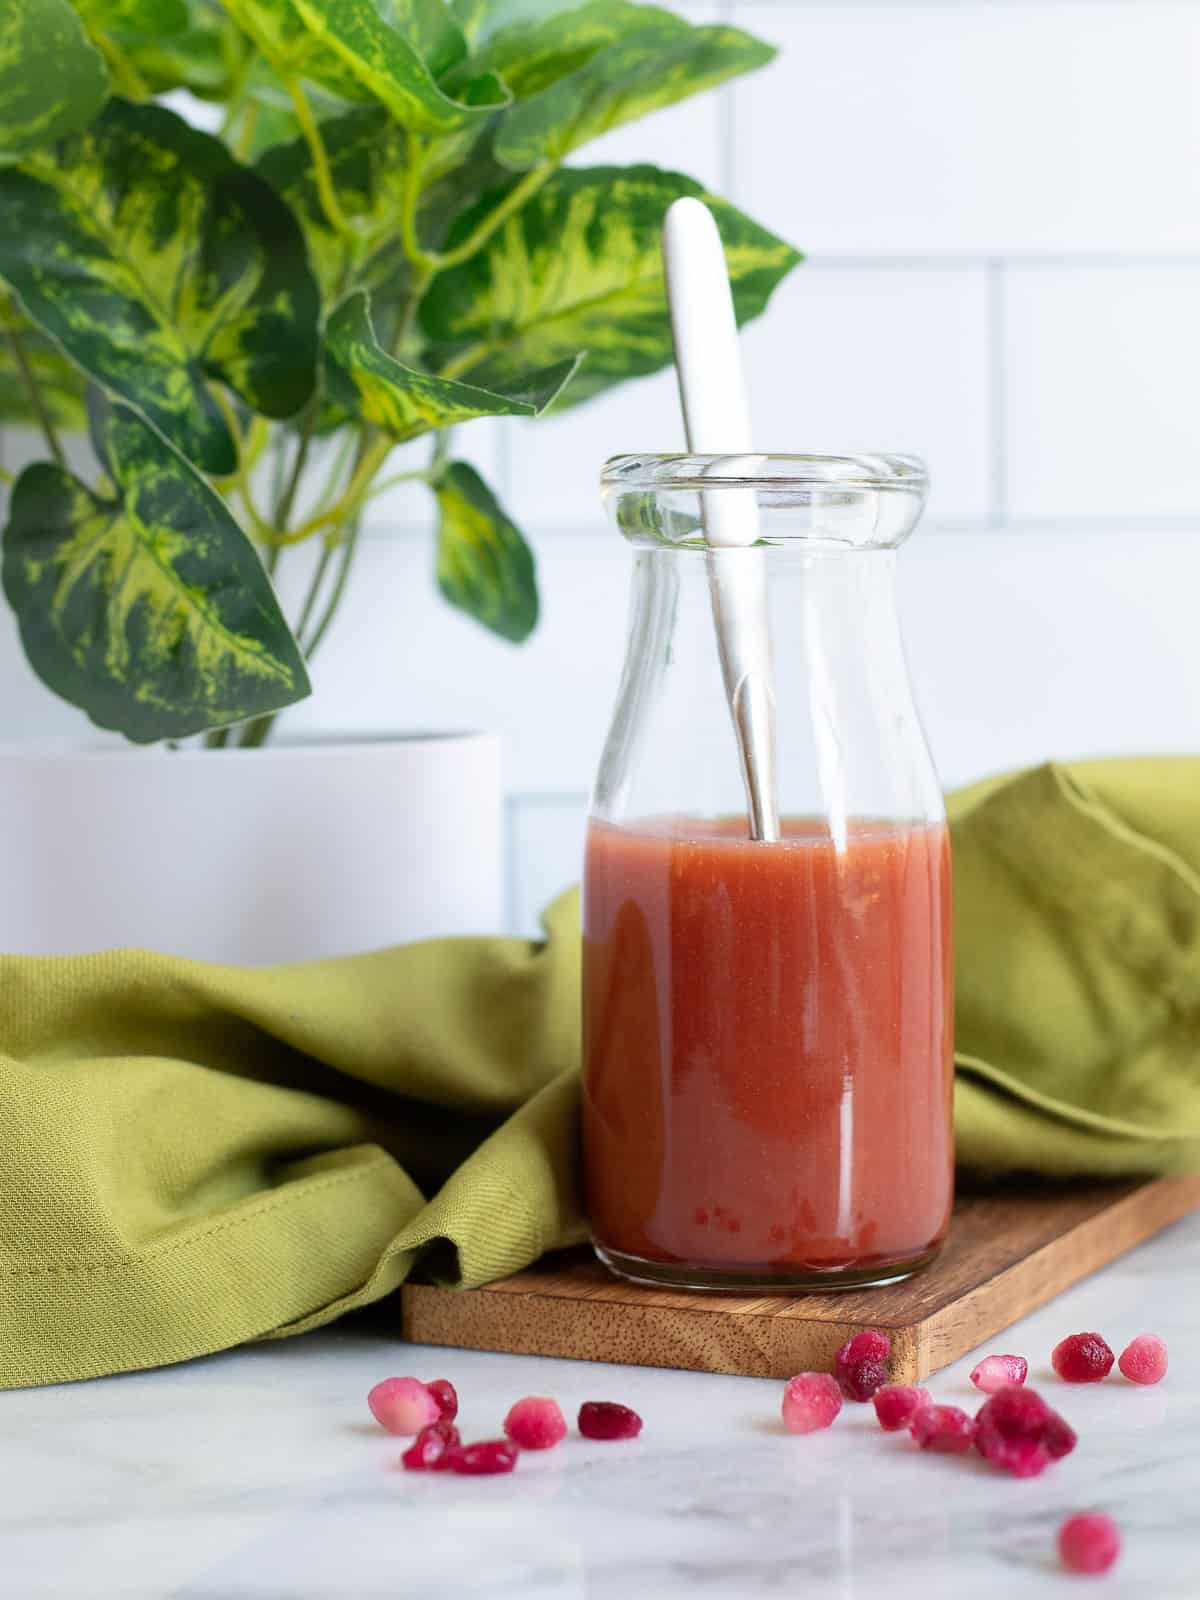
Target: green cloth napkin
[[194, 1156]]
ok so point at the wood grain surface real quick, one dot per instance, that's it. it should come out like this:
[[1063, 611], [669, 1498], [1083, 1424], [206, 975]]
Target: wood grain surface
[[1009, 1250]]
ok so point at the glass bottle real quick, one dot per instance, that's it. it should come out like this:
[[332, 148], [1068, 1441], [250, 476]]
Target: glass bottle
[[768, 1024]]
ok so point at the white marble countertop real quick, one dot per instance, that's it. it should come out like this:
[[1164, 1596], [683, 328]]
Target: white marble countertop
[[259, 1476]]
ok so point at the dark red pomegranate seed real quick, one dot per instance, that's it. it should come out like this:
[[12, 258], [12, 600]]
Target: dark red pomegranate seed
[[446, 1395], [1082, 1358], [1089, 1542], [428, 1451], [1018, 1431], [605, 1419], [478, 1460], [897, 1403], [1144, 1359], [535, 1423], [861, 1365], [943, 1428]]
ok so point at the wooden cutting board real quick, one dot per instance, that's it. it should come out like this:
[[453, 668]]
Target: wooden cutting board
[[1009, 1251]]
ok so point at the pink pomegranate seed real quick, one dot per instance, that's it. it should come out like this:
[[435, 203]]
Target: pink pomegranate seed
[[480, 1460], [1089, 1542], [403, 1405], [943, 1428], [1082, 1358], [998, 1372], [897, 1403], [604, 1419], [431, 1446], [446, 1395], [1144, 1359], [535, 1423], [1018, 1431], [860, 1366], [811, 1400]]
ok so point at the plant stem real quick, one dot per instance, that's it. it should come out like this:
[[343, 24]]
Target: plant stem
[[348, 547], [126, 76], [512, 203], [419, 475], [6, 476], [369, 462], [246, 456], [283, 507], [322, 174], [36, 400], [410, 244], [314, 588], [422, 278], [464, 361]]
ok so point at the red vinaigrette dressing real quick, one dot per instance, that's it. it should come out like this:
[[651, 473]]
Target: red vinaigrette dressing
[[768, 1044]]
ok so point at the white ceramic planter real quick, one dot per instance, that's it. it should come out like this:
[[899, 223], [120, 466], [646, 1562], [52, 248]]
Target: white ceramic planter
[[250, 855]]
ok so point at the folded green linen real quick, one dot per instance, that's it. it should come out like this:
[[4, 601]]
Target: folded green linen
[[195, 1155]]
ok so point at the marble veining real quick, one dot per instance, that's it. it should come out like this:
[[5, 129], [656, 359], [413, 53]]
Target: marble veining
[[259, 1476]]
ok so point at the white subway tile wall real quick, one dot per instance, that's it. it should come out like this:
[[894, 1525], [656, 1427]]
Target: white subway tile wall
[[1000, 202]]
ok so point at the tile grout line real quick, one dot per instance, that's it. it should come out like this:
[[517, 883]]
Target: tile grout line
[[998, 377]]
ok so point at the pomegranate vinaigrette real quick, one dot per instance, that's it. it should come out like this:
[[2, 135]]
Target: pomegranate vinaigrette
[[767, 1041]]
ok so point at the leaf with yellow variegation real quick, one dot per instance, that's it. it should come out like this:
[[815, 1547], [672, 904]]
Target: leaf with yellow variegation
[[579, 268], [149, 608], [52, 78], [158, 263], [484, 565], [405, 403], [363, 52], [578, 71]]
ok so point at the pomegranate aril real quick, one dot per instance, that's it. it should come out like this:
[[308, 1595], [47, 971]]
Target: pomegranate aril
[[403, 1405], [480, 1460], [1089, 1542], [446, 1395], [860, 1366], [897, 1403], [811, 1400], [1082, 1358], [1144, 1359], [999, 1372], [428, 1451], [1018, 1431], [943, 1428], [535, 1423], [605, 1419]]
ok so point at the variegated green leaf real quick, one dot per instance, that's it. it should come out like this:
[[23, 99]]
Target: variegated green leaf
[[52, 78], [203, 57], [59, 381], [362, 50], [368, 158], [148, 609], [137, 16], [484, 565], [368, 163], [404, 403], [576, 71], [158, 263], [579, 267]]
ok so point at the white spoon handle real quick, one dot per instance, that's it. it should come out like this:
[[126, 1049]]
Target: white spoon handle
[[716, 416]]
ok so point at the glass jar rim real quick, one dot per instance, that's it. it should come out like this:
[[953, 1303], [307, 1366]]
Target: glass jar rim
[[766, 470]]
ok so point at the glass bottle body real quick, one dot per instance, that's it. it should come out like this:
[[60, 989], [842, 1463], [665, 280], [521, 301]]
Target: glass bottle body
[[767, 1025]]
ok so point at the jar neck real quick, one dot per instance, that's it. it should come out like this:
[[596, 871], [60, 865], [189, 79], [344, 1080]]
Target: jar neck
[[849, 742]]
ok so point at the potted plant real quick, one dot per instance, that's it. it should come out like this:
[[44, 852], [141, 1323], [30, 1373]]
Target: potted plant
[[382, 241]]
